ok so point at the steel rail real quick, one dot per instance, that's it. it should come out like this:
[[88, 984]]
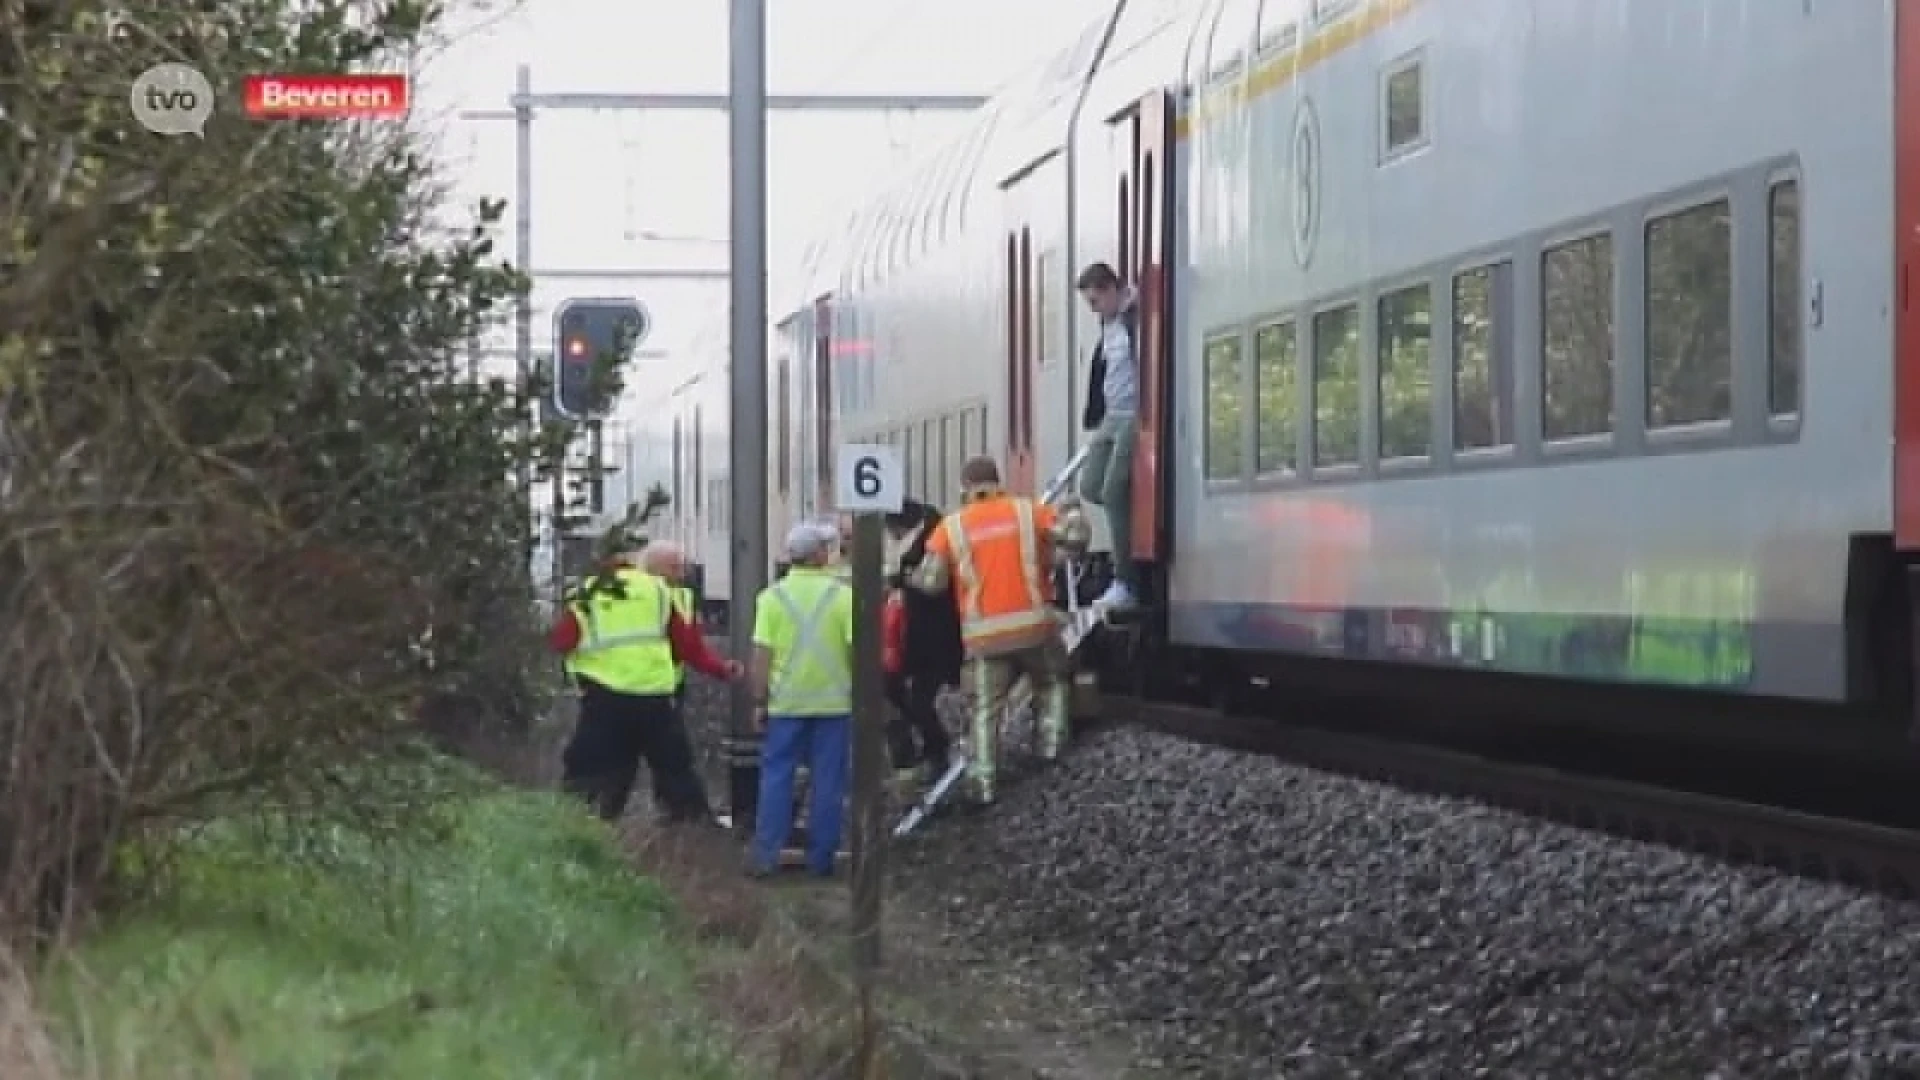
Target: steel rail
[[1861, 854]]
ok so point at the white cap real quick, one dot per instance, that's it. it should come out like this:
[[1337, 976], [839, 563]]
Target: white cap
[[808, 541]]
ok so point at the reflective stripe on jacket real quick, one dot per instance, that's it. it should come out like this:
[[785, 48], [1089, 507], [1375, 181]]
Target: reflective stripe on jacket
[[806, 621], [1000, 548], [623, 636]]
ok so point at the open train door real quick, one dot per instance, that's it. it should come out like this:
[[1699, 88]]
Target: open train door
[[1906, 344], [1906, 231], [1024, 198], [1143, 135]]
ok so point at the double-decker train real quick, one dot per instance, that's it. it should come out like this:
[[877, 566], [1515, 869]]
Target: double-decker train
[[1523, 343]]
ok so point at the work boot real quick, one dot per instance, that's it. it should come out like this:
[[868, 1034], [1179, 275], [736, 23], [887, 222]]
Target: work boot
[[903, 784]]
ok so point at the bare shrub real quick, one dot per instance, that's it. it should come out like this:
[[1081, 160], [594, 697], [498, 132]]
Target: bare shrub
[[27, 1052]]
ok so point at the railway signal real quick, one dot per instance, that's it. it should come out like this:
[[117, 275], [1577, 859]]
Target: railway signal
[[592, 333]]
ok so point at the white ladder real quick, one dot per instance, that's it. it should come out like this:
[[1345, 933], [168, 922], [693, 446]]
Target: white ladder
[[1080, 623]]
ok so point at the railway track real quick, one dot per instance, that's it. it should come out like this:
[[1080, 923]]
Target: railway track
[[1861, 854]]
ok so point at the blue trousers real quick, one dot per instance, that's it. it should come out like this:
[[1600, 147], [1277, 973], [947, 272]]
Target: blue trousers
[[824, 742]]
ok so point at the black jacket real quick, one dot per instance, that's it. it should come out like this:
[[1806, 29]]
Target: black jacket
[[1096, 408], [933, 648]]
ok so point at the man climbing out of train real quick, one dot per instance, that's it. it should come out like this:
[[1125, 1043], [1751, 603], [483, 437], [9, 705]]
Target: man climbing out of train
[[995, 557], [623, 642], [1112, 414]]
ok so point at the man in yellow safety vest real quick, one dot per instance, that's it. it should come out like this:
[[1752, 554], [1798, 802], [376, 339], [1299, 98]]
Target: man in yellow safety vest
[[624, 644], [803, 685]]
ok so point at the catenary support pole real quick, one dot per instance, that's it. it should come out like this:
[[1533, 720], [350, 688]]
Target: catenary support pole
[[747, 235], [522, 259], [869, 803]]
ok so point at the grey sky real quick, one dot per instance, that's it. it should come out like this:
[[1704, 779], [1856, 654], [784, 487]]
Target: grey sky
[[604, 181]]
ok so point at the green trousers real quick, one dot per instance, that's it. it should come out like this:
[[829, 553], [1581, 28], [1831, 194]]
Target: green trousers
[[991, 680]]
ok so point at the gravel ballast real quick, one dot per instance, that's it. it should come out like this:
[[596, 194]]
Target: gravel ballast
[[1253, 920]]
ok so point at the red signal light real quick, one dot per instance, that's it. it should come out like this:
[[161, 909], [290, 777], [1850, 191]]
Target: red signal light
[[576, 348]]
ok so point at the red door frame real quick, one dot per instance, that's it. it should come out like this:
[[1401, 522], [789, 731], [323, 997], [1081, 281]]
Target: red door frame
[[1906, 269], [1021, 478], [823, 399], [1150, 180]]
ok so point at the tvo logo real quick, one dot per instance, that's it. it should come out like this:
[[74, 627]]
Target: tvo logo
[[172, 99]]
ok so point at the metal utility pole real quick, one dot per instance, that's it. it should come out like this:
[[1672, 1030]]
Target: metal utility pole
[[747, 344], [523, 258], [869, 804]]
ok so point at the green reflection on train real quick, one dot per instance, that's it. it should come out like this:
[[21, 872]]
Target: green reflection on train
[[1711, 649]]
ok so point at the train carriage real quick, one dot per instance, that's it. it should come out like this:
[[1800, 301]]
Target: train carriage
[[1557, 338]]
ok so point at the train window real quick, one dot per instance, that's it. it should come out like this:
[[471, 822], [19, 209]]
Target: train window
[[1279, 27], [1576, 338], [930, 458], [1225, 409], [1276, 380], [1403, 106], [1235, 28], [1483, 357], [1336, 386], [1325, 11], [699, 467], [906, 455], [1784, 344], [937, 490], [1046, 304], [677, 459], [1689, 300], [784, 433], [1406, 372]]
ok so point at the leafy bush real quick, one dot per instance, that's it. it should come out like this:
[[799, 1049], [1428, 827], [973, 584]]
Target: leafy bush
[[253, 513]]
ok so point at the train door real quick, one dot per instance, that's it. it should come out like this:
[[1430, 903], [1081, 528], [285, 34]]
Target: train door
[[791, 348], [1022, 285], [1906, 375], [822, 477], [1143, 135]]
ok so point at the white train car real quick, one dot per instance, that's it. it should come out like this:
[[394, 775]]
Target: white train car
[[1565, 338]]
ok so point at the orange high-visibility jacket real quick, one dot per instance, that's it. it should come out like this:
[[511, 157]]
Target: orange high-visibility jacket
[[1000, 549]]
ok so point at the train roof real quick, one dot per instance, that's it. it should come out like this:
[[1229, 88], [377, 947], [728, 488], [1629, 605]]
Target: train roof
[[932, 198]]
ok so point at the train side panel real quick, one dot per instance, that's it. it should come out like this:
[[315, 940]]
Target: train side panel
[[1568, 201]]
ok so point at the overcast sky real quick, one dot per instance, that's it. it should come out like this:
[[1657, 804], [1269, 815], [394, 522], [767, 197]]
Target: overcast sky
[[627, 189], [604, 180]]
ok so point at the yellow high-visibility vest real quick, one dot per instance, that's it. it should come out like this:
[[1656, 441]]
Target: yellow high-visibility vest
[[623, 636], [806, 620]]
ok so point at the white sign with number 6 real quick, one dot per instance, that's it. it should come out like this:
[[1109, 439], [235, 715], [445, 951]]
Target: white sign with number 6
[[869, 479]]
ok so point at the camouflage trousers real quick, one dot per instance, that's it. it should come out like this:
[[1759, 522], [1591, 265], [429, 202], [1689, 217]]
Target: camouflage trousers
[[991, 683]]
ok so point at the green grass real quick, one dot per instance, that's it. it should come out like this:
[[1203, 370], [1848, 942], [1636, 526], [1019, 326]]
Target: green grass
[[518, 946]]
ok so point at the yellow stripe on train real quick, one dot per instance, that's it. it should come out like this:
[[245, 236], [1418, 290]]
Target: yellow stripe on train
[[1273, 72]]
